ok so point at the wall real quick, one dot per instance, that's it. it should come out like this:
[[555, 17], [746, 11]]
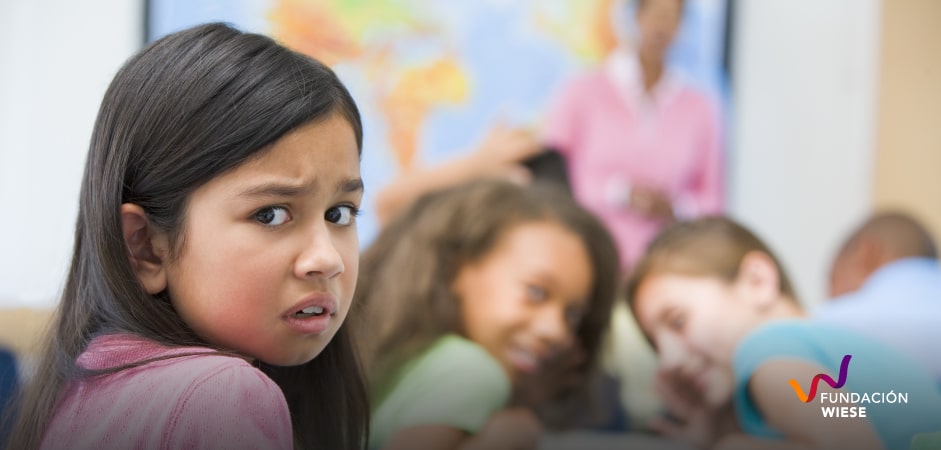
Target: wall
[[908, 157], [804, 83], [58, 57]]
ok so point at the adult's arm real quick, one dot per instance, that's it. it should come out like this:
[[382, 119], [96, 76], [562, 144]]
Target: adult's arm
[[498, 155]]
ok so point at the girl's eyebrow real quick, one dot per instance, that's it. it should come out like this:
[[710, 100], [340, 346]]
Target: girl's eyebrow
[[276, 189], [281, 189], [351, 185]]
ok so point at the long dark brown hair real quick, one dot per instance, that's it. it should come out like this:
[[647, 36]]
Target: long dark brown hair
[[407, 273], [187, 108]]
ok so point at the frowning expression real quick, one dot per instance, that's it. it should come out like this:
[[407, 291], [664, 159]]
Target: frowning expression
[[270, 254]]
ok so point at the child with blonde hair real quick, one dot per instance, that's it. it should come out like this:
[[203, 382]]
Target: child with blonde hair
[[725, 321]]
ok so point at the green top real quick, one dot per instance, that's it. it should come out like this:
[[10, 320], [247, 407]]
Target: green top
[[455, 383]]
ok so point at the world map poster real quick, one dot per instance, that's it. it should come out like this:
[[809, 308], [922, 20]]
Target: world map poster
[[431, 78]]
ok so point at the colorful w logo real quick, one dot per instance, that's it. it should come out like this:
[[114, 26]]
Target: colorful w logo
[[844, 368]]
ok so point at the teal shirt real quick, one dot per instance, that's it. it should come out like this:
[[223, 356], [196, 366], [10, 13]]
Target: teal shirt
[[454, 383], [873, 368], [927, 441]]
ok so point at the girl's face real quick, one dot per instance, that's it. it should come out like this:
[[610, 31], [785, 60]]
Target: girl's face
[[269, 255], [695, 323], [524, 299]]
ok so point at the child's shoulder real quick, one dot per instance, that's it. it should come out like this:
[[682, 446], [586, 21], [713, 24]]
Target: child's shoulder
[[178, 381], [168, 397], [795, 334], [454, 344], [817, 343], [455, 354], [453, 382], [799, 339], [777, 330], [143, 358], [466, 366]]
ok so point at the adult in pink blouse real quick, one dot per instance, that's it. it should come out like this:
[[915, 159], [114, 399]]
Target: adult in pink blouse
[[642, 146]]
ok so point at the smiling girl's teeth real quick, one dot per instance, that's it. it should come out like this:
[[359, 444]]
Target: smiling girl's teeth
[[313, 310], [309, 312], [524, 360]]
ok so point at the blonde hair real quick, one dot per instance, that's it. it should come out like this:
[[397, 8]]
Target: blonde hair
[[709, 246]]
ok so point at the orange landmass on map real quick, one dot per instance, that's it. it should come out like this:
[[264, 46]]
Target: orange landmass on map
[[312, 29], [410, 100]]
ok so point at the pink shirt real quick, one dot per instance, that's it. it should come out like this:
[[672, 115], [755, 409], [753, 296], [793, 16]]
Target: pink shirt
[[614, 136], [188, 402]]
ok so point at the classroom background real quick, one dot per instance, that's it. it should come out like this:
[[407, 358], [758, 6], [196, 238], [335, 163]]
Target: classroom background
[[832, 106]]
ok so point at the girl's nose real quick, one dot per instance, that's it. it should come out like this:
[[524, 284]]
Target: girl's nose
[[551, 327], [671, 352], [319, 257]]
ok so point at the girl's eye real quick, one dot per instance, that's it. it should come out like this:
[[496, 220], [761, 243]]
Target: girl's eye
[[341, 215], [272, 216], [536, 293], [676, 322]]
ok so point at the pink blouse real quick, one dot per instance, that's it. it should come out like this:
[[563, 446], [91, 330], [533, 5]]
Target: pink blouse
[[204, 401], [615, 136]]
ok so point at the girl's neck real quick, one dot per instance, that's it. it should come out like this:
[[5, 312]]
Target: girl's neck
[[786, 308]]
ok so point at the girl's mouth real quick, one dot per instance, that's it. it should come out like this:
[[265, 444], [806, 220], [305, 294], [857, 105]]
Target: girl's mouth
[[310, 311], [524, 361]]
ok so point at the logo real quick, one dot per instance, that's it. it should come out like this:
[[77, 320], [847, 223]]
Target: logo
[[807, 398]]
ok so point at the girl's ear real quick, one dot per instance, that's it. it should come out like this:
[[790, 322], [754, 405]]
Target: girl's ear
[[758, 280], [146, 248]]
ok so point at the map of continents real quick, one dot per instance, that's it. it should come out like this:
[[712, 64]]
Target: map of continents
[[431, 78]]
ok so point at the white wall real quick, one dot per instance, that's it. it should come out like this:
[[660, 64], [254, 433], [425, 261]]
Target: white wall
[[57, 58], [803, 140]]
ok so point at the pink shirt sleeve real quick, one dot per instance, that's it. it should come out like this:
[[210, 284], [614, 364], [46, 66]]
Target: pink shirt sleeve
[[237, 407]]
